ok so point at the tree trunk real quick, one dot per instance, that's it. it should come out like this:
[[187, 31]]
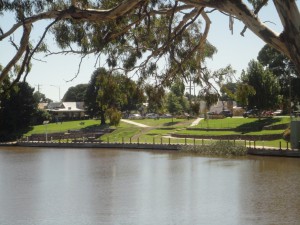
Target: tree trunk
[[102, 118]]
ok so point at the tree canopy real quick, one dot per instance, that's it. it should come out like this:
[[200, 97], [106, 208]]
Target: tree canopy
[[265, 84], [17, 109], [135, 34], [75, 94], [284, 70], [111, 91]]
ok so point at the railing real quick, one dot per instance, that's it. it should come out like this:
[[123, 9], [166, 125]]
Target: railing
[[162, 141]]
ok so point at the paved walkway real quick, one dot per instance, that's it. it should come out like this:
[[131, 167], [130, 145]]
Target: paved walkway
[[195, 123], [134, 123]]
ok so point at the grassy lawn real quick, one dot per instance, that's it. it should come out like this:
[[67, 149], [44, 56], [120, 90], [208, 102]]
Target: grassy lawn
[[241, 123], [216, 133], [62, 127], [161, 129], [165, 122]]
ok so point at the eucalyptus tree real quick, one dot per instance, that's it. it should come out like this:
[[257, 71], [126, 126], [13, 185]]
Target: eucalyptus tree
[[285, 73], [136, 34], [112, 92], [265, 84]]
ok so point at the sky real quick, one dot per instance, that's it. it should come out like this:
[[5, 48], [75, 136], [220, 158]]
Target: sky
[[52, 76]]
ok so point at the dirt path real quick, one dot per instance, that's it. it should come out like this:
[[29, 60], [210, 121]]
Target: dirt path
[[134, 123], [196, 122]]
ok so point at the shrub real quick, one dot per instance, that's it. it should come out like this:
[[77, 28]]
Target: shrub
[[114, 116], [287, 134], [218, 148]]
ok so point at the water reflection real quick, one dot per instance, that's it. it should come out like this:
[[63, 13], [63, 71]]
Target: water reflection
[[96, 186]]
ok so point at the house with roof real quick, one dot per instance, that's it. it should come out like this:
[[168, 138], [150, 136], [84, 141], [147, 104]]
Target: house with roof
[[66, 110]]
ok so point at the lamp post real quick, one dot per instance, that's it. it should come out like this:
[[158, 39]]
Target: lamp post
[[58, 87], [46, 130]]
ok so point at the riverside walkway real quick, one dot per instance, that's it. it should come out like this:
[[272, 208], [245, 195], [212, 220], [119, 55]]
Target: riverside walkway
[[251, 150]]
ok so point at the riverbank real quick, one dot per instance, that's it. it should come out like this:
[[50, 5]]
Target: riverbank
[[260, 151]]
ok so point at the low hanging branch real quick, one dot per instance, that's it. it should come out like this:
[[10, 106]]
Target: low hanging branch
[[23, 45]]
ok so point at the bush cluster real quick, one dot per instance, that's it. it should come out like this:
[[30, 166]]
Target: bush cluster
[[218, 148]]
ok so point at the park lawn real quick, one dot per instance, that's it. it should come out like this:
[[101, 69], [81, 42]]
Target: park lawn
[[220, 133], [62, 127], [121, 134], [224, 123], [241, 122], [273, 143], [165, 122]]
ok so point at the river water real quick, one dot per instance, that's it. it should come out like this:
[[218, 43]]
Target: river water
[[44, 186]]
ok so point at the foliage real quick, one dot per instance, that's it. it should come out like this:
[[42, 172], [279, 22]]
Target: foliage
[[114, 116], [75, 94], [176, 101], [243, 92], [195, 108], [155, 98], [99, 98], [218, 148], [209, 97], [39, 116], [228, 91], [17, 107], [284, 70], [265, 84], [40, 97], [134, 35]]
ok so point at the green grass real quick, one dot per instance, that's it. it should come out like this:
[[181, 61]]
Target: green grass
[[218, 133], [165, 122], [241, 123], [161, 129], [62, 127]]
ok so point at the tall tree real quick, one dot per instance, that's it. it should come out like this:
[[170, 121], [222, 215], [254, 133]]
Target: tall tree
[[285, 72], [134, 33], [108, 90], [176, 101], [40, 97], [265, 84], [155, 98], [17, 107], [75, 94]]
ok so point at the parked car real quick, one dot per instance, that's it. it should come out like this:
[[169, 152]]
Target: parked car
[[277, 112], [135, 116], [166, 115], [267, 114], [251, 112], [152, 116], [226, 113]]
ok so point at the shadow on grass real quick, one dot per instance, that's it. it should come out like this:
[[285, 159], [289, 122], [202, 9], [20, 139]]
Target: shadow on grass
[[256, 125], [9, 135], [95, 127], [170, 124]]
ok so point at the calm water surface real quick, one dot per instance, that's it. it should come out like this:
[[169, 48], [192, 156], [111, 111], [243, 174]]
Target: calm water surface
[[44, 186]]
